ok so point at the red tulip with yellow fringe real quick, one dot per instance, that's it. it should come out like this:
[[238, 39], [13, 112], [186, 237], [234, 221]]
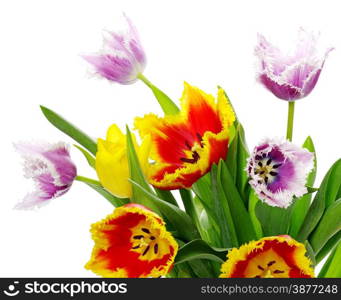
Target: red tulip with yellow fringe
[[184, 146], [132, 242]]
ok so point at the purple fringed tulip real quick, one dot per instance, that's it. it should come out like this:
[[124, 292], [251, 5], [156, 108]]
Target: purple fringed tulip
[[290, 77], [50, 167], [122, 57], [278, 170]]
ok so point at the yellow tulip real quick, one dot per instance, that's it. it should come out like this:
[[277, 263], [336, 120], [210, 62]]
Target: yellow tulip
[[112, 162]]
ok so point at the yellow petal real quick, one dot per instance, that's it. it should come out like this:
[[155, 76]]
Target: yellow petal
[[112, 161]]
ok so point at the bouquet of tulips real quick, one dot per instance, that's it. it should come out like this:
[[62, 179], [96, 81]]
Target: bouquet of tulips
[[189, 198]]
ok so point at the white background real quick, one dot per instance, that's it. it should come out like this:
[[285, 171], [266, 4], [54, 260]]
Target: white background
[[203, 42]]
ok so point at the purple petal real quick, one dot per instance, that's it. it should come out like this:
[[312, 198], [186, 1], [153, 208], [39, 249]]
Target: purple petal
[[63, 164], [297, 75], [48, 187], [290, 77], [285, 174], [122, 58], [112, 68], [306, 45], [32, 200], [282, 91], [51, 168], [313, 77], [137, 52], [278, 170]]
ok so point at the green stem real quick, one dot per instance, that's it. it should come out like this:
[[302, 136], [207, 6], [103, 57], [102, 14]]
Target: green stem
[[167, 105], [145, 80], [87, 180], [290, 125]]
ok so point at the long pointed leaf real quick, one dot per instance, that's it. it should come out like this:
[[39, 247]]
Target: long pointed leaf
[[329, 225], [236, 161], [274, 220], [199, 249], [206, 226], [166, 103], [69, 129], [241, 218], [95, 185], [301, 205], [253, 200], [324, 197], [331, 268], [90, 159], [137, 176], [166, 196], [228, 236], [329, 246]]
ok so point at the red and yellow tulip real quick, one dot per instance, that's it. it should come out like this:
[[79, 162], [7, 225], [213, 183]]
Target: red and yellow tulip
[[185, 145], [132, 242], [270, 257]]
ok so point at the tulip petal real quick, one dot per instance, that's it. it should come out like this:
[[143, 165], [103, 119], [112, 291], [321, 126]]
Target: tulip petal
[[50, 167], [290, 77], [271, 257], [197, 136], [132, 242], [112, 161], [278, 170], [122, 57]]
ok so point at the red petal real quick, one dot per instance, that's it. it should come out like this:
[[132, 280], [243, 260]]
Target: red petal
[[218, 150], [122, 258], [282, 249], [182, 181], [202, 117], [171, 149], [118, 255]]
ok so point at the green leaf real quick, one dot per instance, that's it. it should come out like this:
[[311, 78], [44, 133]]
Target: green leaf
[[180, 220], [334, 184], [331, 268], [199, 249], [137, 176], [181, 271], [324, 197], [241, 218], [166, 196], [253, 200], [274, 220], [301, 205], [329, 225], [221, 210], [166, 103], [202, 268], [96, 185], [207, 226], [90, 159], [310, 252], [236, 161], [186, 197], [329, 246], [311, 190], [202, 188], [202, 216], [70, 130]]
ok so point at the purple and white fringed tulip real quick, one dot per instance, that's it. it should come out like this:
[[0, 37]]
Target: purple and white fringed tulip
[[50, 167], [290, 77], [278, 170], [122, 57]]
